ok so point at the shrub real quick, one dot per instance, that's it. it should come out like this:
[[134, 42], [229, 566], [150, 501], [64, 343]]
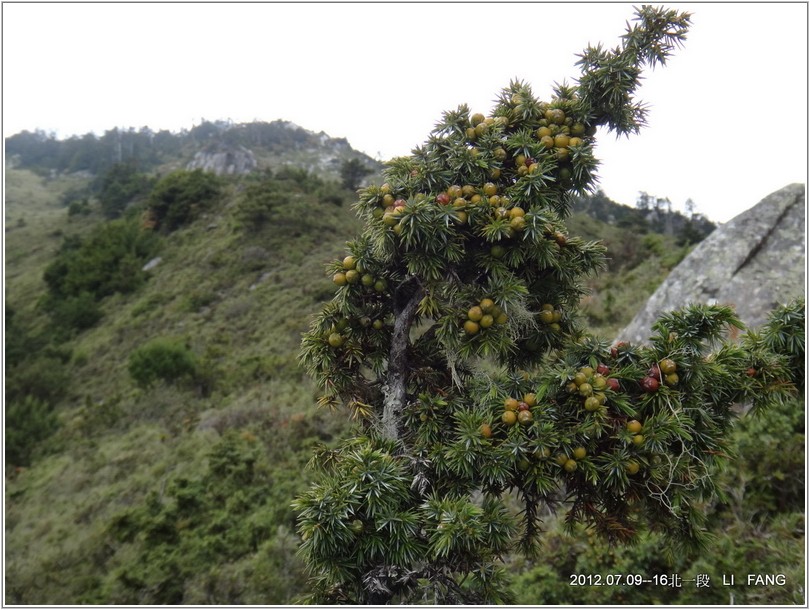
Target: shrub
[[654, 244], [75, 312], [28, 421], [161, 359], [20, 343], [299, 178], [109, 260], [178, 197], [258, 202], [40, 377], [85, 271], [120, 185], [192, 543], [331, 194], [78, 207]]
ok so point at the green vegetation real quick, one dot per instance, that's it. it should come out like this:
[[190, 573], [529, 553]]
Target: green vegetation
[[265, 197], [119, 186], [182, 196], [28, 421], [233, 521], [352, 173], [106, 262], [94, 447], [89, 447], [651, 214], [161, 358], [261, 200], [175, 483], [756, 520], [109, 260]]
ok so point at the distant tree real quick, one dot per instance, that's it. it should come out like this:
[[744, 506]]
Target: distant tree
[[658, 213], [82, 154], [690, 207], [120, 185], [79, 207], [695, 227], [645, 201], [205, 131], [664, 209], [166, 144], [599, 206], [352, 173], [36, 150]]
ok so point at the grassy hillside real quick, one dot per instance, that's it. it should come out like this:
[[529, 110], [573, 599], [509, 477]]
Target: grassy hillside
[[35, 223], [238, 300], [638, 261], [180, 491]]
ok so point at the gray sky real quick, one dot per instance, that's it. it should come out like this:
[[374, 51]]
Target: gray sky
[[727, 121]]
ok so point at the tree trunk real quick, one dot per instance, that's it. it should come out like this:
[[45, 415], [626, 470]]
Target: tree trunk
[[395, 390]]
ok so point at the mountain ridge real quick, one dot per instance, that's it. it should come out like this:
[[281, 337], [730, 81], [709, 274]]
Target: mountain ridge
[[275, 144]]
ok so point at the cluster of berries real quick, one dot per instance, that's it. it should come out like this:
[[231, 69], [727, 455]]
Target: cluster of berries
[[354, 273], [518, 410], [590, 385], [484, 315]]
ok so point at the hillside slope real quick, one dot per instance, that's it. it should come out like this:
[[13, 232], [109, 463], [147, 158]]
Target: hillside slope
[[238, 300]]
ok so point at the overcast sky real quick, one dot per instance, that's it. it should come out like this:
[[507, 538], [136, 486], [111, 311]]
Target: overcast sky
[[727, 121]]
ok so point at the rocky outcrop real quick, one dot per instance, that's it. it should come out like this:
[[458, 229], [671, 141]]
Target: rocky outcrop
[[223, 159], [754, 262]]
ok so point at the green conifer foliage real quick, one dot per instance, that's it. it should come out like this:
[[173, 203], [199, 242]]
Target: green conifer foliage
[[453, 339]]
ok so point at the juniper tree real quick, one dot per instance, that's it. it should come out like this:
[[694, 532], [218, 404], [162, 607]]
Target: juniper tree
[[453, 338]]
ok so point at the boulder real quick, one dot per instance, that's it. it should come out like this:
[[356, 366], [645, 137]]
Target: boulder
[[152, 264], [754, 262]]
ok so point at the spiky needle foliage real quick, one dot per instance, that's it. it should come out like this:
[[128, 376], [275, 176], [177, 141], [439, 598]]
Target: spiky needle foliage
[[453, 339]]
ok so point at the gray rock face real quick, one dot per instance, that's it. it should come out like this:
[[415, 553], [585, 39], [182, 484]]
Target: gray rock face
[[224, 160], [754, 262]]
